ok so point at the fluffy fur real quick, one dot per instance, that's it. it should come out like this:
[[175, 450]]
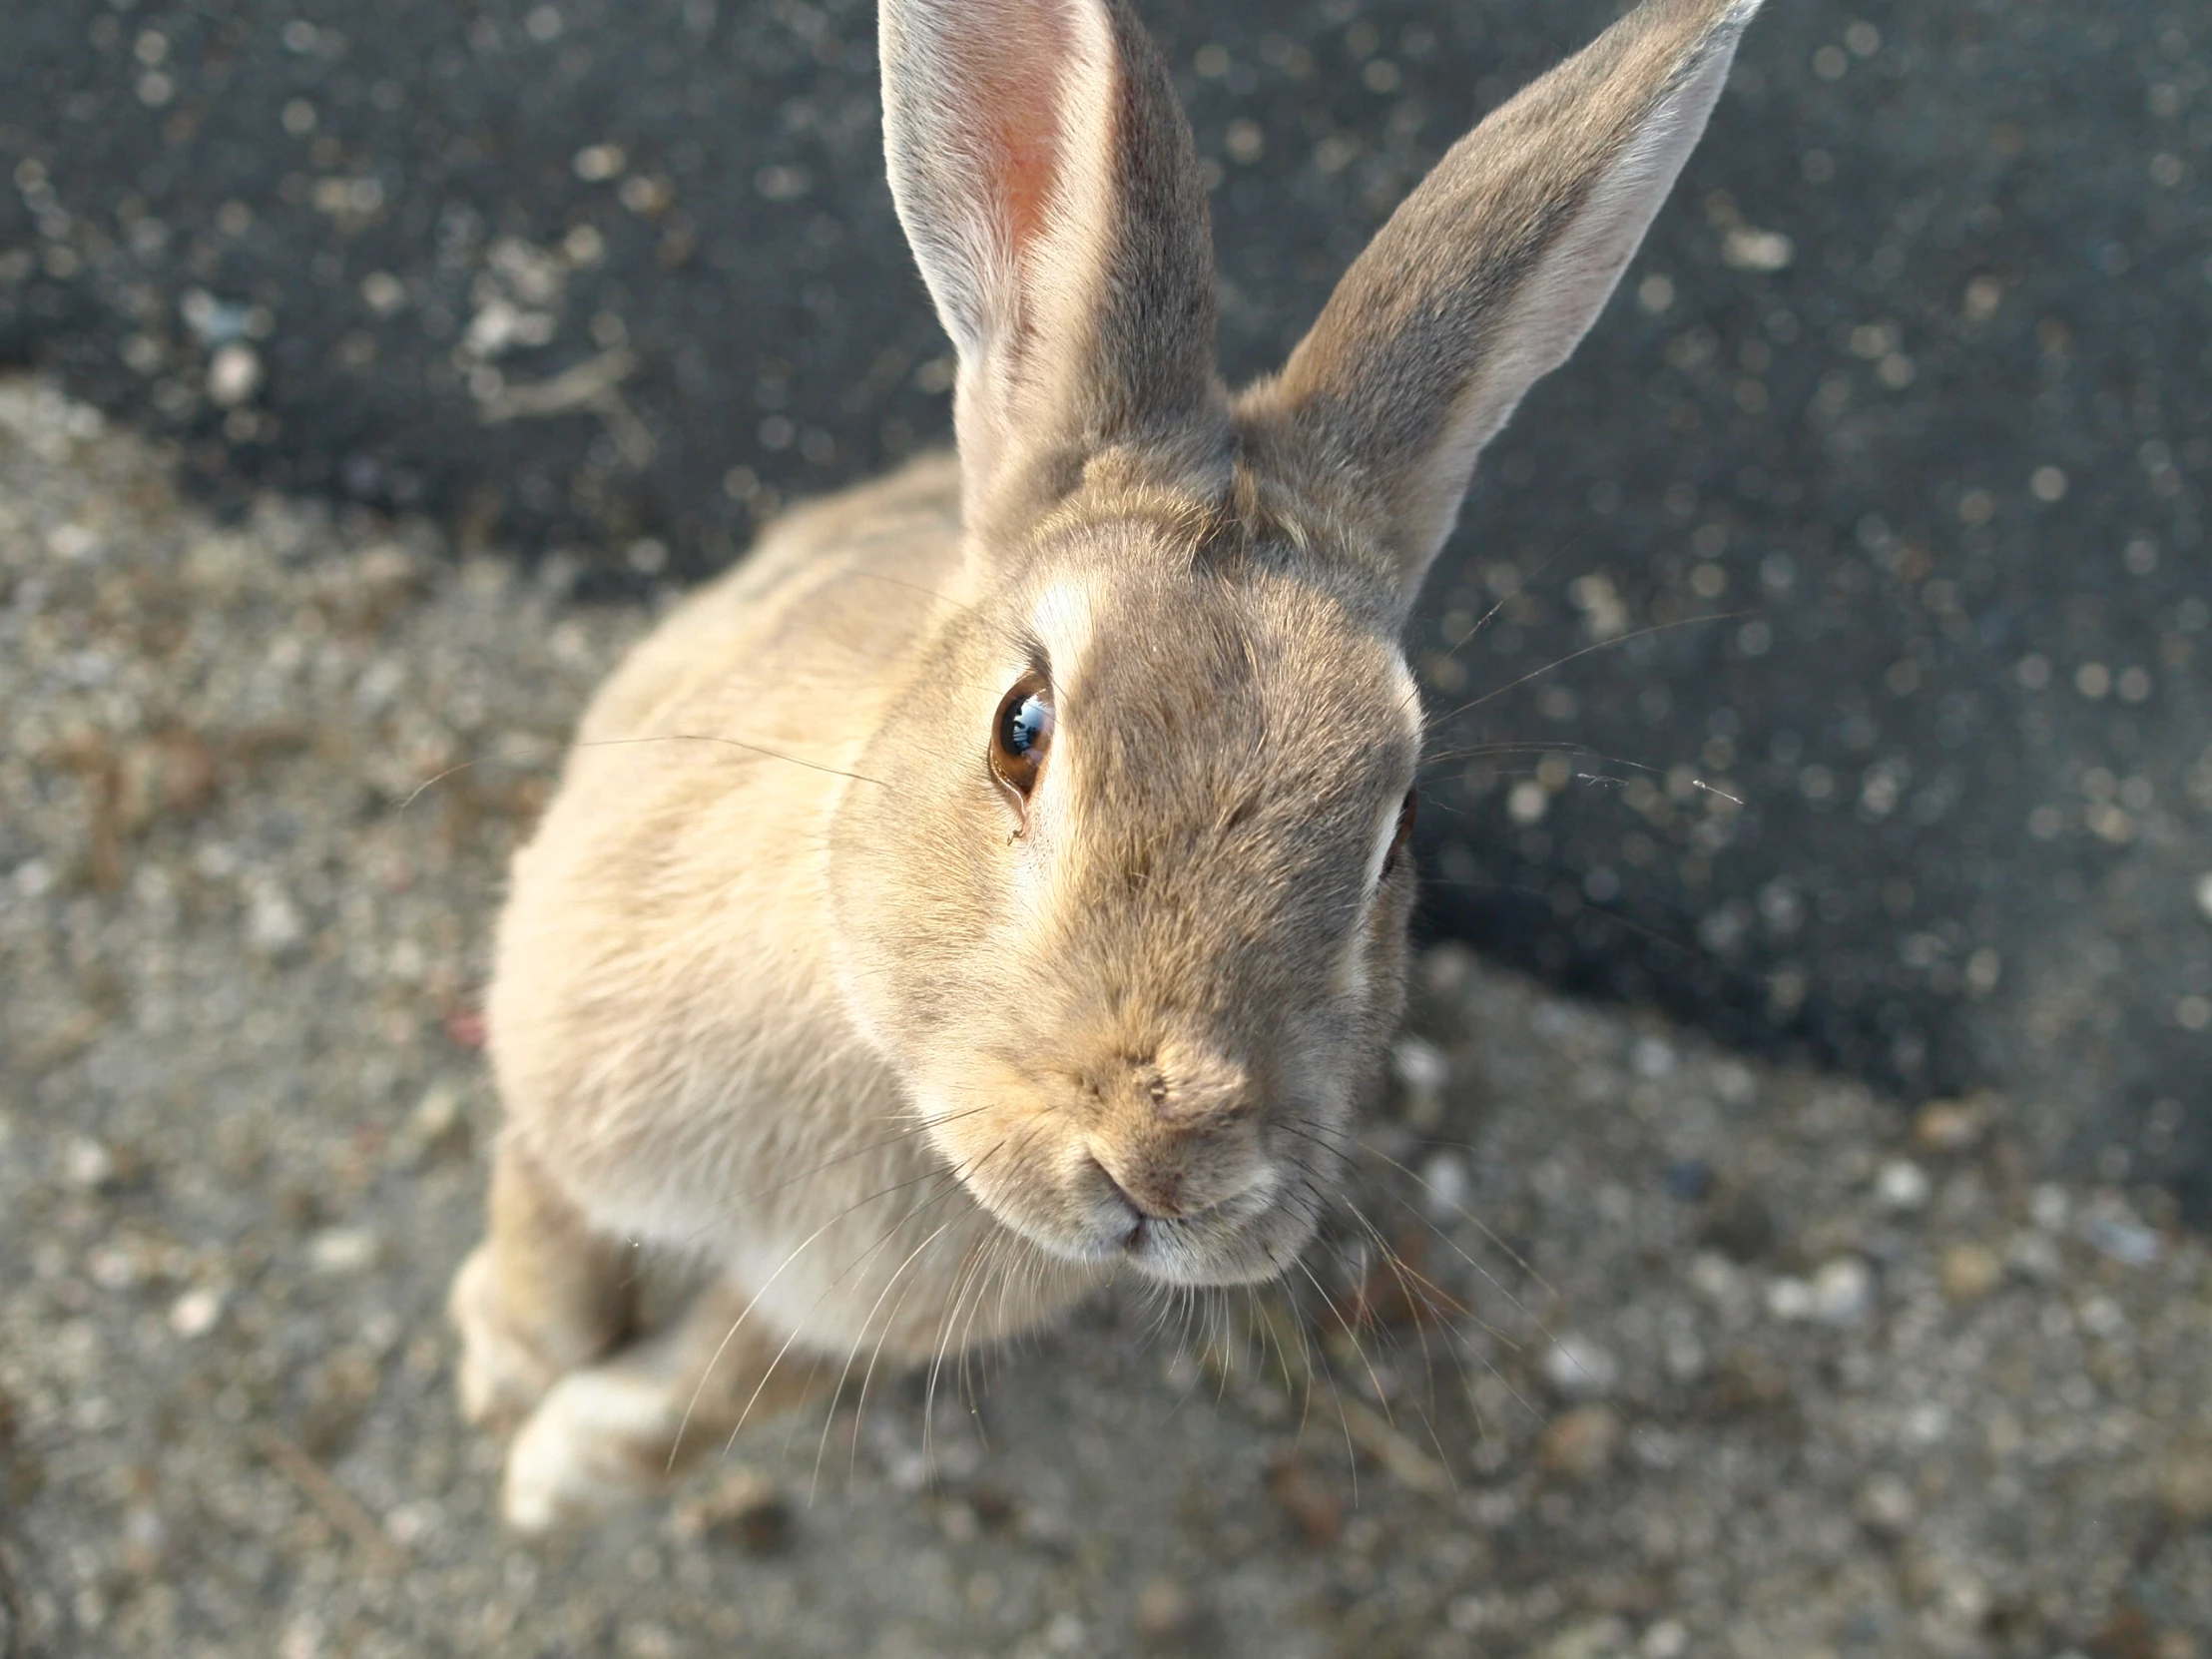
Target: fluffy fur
[[793, 991]]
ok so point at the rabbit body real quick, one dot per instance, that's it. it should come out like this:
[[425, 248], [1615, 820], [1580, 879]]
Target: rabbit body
[[996, 882], [665, 1024]]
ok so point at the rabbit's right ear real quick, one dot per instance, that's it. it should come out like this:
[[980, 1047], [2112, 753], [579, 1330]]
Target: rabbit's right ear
[[1490, 273], [1049, 186]]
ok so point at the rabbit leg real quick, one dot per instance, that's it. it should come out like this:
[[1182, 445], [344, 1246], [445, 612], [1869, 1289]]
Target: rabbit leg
[[612, 1432], [541, 1296]]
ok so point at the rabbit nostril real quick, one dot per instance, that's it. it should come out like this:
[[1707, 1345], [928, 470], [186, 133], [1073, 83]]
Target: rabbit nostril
[[1142, 1211]]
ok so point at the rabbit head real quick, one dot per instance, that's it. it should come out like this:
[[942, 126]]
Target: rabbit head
[[1126, 902]]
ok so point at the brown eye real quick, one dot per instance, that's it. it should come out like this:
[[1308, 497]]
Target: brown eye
[[1407, 812], [1021, 735]]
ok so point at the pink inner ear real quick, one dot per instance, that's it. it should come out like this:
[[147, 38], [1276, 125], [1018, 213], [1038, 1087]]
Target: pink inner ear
[[1016, 81], [1026, 158]]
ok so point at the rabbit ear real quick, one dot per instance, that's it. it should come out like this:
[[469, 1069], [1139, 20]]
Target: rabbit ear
[[1049, 186], [1490, 272]]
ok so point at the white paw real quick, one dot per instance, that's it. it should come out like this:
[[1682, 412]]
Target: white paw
[[501, 1377], [598, 1441]]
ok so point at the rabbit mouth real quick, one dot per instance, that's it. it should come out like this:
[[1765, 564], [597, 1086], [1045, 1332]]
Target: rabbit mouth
[[1248, 1239]]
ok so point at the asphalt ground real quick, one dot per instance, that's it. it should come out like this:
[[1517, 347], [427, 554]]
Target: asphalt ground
[[1906, 399]]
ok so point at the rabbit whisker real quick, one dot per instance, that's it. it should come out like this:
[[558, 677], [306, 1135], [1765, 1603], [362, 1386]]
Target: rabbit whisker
[[1343, 1417], [1587, 650], [1490, 616], [543, 750], [790, 1257]]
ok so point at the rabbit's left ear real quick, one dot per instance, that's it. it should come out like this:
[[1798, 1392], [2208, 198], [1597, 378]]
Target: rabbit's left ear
[[1490, 273], [1049, 186]]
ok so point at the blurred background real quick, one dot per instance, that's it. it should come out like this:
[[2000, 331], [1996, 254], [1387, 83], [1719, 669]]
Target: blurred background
[[1905, 395], [1820, 681]]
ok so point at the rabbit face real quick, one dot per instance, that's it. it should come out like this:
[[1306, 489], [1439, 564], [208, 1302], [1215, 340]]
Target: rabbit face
[[1128, 912]]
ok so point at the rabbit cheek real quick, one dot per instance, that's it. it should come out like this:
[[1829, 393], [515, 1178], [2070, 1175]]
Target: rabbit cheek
[[1015, 1156]]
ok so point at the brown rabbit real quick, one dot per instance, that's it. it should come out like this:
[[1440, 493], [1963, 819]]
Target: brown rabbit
[[1009, 887]]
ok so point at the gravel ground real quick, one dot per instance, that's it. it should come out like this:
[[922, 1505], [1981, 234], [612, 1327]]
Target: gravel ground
[[1906, 393], [1685, 1354]]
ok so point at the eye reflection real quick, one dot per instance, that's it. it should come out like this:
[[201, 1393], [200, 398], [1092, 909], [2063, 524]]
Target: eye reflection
[[1021, 735]]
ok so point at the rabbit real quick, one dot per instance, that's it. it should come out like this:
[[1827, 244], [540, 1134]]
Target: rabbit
[[997, 882]]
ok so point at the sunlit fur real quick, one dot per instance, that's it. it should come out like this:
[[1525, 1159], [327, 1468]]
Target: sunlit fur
[[1135, 975], [792, 989]]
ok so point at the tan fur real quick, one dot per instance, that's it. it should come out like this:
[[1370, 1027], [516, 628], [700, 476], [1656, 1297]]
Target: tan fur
[[793, 992]]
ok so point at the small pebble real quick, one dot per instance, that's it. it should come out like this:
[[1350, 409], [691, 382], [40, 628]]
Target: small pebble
[[1969, 1271], [1579, 1369], [195, 1312], [2185, 1486], [88, 1164], [1420, 1065], [1164, 1608], [1421, 1070], [2048, 1207], [1444, 1185], [1949, 1125], [2122, 1238], [342, 1250], [2204, 895], [1886, 1506], [1789, 1298], [1901, 1185], [1580, 1444], [439, 1123], [233, 373], [1841, 1292]]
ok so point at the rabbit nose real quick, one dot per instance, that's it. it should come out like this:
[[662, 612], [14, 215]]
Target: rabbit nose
[[1152, 1195]]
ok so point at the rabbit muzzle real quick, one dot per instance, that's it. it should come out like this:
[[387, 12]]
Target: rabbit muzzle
[[1179, 1162]]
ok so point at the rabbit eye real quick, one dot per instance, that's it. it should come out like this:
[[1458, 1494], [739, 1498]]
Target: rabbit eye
[[1021, 735], [1407, 812]]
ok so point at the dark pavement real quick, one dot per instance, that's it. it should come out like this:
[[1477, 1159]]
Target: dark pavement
[[1906, 397]]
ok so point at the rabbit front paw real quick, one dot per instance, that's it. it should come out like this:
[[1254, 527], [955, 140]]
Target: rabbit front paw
[[601, 1438], [502, 1375]]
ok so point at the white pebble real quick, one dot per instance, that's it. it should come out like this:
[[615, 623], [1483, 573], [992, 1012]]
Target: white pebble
[[1789, 1298], [1901, 1185], [2100, 1316], [1420, 1066], [2122, 1238], [233, 373], [1579, 1369], [2204, 895], [1842, 1291], [1714, 1277], [341, 1250], [1927, 1424], [1444, 1185], [1887, 1506], [273, 922], [87, 1163], [2048, 1205], [195, 1312]]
